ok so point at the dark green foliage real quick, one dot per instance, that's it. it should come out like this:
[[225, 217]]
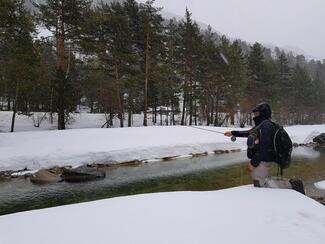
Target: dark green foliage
[[19, 58], [64, 18], [189, 60], [66, 15]]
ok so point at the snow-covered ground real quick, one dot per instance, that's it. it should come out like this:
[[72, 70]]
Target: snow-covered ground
[[244, 215], [77, 121], [45, 149]]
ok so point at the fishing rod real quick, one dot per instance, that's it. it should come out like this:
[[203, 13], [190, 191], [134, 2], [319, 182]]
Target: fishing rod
[[233, 138]]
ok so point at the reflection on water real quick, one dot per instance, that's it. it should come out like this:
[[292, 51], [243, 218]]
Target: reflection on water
[[195, 174]]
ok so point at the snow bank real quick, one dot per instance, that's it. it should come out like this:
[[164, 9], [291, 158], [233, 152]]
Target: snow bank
[[45, 149], [34, 150], [244, 215], [304, 133], [320, 185]]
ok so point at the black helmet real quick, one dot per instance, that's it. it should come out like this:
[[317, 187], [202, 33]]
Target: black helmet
[[264, 109]]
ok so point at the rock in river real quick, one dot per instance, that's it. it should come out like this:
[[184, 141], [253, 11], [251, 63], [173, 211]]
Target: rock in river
[[320, 140], [44, 176], [82, 174]]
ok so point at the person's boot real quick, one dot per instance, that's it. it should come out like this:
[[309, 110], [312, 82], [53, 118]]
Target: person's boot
[[298, 186], [257, 183]]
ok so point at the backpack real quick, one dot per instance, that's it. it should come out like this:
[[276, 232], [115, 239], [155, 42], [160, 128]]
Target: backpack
[[282, 147]]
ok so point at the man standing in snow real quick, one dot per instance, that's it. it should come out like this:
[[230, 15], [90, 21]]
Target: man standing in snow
[[261, 151]]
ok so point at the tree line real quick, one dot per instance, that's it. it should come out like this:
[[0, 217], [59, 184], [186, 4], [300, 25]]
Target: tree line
[[122, 59]]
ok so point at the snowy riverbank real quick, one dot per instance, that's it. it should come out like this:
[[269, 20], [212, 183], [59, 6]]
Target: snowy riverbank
[[46, 149], [239, 215]]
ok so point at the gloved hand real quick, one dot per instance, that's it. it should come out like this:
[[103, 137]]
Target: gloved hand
[[228, 133]]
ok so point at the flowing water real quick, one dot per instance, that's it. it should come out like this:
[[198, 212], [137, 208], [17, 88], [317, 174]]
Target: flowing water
[[191, 174]]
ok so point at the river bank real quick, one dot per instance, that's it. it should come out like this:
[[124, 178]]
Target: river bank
[[49, 149]]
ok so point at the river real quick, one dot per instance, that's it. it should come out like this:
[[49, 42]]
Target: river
[[205, 173]]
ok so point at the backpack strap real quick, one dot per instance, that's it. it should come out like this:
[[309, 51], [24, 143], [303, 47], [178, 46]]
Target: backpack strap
[[256, 128]]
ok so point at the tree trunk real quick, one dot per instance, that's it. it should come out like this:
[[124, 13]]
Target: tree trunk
[[146, 79], [61, 106], [91, 106], [13, 119], [161, 117], [130, 109], [118, 91], [61, 66], [191, 101], [216, 119], [51, 106], [232, 118], [183, 122], [185, 91], [14, 108], [9, 104], [173, 115], [129, 118], [111, 116], [212, 107], [185, 98], [207, 110], [195, 113]]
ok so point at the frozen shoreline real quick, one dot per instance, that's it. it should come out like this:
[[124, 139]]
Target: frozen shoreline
[[47, 149]]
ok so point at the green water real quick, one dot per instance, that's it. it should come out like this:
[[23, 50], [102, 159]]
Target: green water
[[194, 174]]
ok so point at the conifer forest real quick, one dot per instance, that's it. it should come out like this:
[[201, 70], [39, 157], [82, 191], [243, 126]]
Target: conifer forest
[[123, 58]]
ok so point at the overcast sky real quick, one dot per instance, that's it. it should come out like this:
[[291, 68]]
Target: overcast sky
[[298, 23]]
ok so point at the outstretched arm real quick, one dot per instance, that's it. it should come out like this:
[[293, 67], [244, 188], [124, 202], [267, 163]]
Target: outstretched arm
[[235, 133]]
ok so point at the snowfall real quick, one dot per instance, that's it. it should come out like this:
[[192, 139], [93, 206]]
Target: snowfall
[[239, 215]]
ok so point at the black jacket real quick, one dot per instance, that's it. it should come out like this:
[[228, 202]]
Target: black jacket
[[264, 150]]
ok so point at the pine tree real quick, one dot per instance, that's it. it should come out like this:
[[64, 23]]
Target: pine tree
[[317, 98], [134, 78], [108, 36], [173, 73], [189, 55], [237, 79], [211, 80], [283, 86], [41, 92], [151, 45], [258, 85], [300, 97], [19, 57], [64, 19]]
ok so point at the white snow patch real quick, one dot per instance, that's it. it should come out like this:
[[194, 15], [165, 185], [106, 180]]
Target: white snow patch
[[22, 173], [320, 185], [239, 215], [304, 133]]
